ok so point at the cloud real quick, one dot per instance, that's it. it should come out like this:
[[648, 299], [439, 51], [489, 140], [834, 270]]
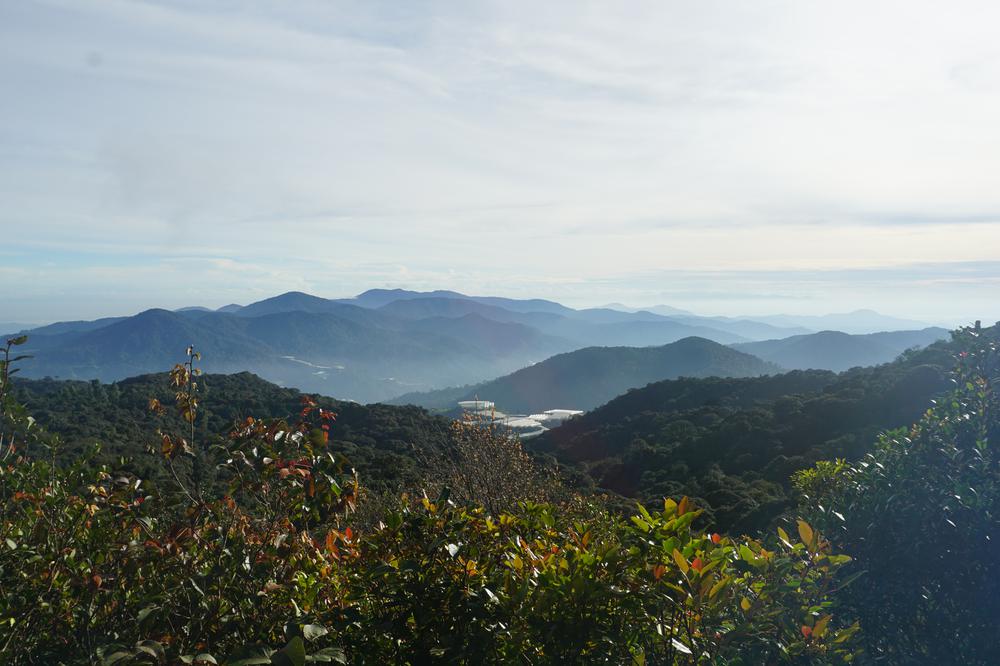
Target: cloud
[[501, 144]]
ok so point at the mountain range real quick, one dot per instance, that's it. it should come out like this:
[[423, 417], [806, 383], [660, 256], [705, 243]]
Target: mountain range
[[384, 343]]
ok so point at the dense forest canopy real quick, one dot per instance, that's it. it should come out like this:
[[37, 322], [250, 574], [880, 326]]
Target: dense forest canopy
[[380, 441], [734, 443]]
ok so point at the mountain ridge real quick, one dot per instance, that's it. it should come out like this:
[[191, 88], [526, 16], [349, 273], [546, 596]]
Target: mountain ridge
[[585, 378]]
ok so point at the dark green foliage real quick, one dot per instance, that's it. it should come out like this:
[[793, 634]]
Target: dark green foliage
[[733, 443], [586, 378], [380, 441], [921, 516]]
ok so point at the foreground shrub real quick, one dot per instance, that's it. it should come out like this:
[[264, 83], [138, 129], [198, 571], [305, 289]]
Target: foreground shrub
[[921, 517], [98, 566], [557, 585]]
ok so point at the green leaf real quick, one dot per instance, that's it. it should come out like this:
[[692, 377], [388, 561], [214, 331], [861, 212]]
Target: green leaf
[[115, 658], [313, 631], [154, 649], [640, 523], [329, 654], [847, 633], [248, 655], [293, 654], [806, 534], [681, 562], [680, 647], [718, 587], [144, 613]]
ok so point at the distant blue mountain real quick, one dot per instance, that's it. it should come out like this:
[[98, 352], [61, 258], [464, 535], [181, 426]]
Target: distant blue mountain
[[380, 344], [837, 351]]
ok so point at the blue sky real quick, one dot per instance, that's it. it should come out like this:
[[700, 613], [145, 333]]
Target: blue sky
[[725, 157]]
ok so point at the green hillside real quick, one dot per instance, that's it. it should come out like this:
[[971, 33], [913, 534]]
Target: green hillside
[[586, 378], [734, 443], [378, 440]]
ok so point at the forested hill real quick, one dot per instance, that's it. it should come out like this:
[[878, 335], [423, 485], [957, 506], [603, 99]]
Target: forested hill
[[734, 443], [376, 439], [586, 378]]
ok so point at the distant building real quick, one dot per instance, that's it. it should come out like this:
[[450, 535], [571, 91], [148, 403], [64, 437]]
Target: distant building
[[525, 426], [476, 405], [553, 417]]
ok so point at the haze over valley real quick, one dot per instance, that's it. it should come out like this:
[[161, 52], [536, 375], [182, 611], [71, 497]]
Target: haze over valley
[[384, 344]]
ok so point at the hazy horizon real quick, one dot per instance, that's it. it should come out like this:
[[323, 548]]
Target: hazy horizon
[[215, 305], [723, 158]]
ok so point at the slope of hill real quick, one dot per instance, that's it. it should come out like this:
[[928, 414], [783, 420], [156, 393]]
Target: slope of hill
[[380, 441], [833, 350], [733, 443], [588, 377], [61, 327]]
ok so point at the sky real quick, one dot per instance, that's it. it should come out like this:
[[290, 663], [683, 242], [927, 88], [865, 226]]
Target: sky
[[723, 157]]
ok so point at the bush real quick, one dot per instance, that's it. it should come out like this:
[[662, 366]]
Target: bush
[[921, 517], [262, 566]]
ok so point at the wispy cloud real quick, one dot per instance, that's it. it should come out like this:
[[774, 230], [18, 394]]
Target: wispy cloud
[[505, 146]]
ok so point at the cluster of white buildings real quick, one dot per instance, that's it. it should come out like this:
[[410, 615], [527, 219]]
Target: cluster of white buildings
[[527, 426]]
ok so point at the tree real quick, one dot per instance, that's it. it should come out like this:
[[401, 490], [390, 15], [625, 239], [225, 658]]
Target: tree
[[484, 463]]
